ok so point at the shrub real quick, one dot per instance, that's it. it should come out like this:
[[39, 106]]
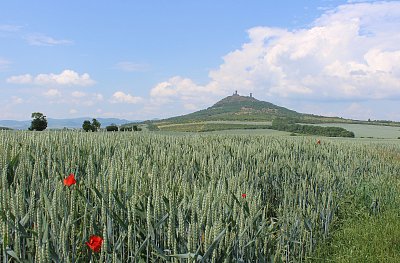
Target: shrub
[[112, 127]]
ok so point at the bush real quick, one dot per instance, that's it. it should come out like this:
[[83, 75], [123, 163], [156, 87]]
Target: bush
[[289, 125], [130, 128], [112, 127]]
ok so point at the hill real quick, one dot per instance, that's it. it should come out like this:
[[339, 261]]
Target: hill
[[247, 112], [236, 107], [248, 108]]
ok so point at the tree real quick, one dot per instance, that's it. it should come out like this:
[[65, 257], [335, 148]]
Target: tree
[[96, 124], [112, 127], [87, 126], [130, 128], [39, 122]]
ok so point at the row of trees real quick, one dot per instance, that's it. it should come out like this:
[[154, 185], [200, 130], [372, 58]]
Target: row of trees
[[114, 127], [39, 123], [91, 126], [291, 126], [95, 126]]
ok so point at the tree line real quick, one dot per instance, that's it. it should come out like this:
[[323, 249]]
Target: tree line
[[39, 123], [290, 125]]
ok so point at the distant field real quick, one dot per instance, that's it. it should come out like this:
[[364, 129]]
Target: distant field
[[242, 122], [161, 126], [260, 128], [212, 126], [363, 130], [251, 132]]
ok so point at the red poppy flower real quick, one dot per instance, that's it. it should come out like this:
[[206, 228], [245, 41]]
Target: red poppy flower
[[70, 180], [244, 195], [95, 243], [318, 142]]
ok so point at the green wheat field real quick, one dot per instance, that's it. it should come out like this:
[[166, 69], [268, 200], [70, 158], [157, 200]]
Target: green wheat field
[[156, 197]]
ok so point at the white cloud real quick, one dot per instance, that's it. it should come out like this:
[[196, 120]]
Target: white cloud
[[67, 77], [78, 94], [20, 79], [350, 52], [43, 40], [52, 93], [183, 91], [73, 111], [121, 97], [130, 66]]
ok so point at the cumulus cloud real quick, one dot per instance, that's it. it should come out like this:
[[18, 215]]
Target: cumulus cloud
[[130, 66], [121, 97], [52, 93], [184, 90], [350, 52], [20, 79], [43, 40], [67, 77]]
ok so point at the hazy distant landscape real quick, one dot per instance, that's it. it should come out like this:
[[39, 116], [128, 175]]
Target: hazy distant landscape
[[75, 123]]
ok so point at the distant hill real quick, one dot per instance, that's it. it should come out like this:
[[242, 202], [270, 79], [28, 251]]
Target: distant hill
[[245, 109], [236, 107], [74, 123]]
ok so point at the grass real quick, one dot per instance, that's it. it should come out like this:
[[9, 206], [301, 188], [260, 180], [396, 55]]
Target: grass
[[365, 130], [360, 130], [369, 238], [367, 230], [207, 126], [250, 132]]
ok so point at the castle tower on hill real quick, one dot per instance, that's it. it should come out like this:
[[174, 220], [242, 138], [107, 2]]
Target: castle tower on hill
[[236, 94]]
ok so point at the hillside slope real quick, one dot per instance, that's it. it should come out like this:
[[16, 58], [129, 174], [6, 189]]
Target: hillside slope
[[237, 107], [246, 111]]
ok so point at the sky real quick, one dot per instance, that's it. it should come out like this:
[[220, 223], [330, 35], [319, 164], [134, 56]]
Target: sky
[[140, 60]]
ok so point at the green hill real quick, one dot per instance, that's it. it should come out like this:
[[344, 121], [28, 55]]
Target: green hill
[[247, 112], [237, 108]]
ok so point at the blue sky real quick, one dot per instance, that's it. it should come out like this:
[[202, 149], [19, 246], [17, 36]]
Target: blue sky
[[156, 59]]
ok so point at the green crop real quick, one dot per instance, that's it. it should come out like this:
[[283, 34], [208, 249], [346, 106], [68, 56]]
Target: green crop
[[164, 198]]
